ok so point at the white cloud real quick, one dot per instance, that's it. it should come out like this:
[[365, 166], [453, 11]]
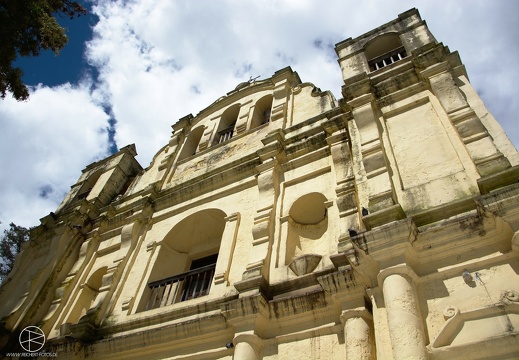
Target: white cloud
[[152, 54], [160, 60], [44, 144]]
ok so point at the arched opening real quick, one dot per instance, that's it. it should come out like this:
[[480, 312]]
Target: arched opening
[[262, 111], [88, 185], [184, 268], [87, 296], [384, 50], [308, 222], [191, 143], [228, 120]]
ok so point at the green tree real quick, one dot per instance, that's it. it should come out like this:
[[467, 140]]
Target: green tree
[[10, 246], [26, 28]]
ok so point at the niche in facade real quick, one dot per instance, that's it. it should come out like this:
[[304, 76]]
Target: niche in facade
[[191, 143], [307, 225], [228, 120], [384, 50], [87, 295], [185, 265], [262, 110]]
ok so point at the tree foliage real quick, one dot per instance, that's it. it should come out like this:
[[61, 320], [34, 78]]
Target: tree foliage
[[10, 246], [26, 28]]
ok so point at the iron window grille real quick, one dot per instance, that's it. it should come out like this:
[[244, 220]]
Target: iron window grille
[[226, 134], [387, 59]]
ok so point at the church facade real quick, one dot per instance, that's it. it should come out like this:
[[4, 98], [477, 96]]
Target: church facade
[[281, 223]]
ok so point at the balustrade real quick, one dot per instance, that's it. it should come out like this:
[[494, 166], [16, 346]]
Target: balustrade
[[174, 289]]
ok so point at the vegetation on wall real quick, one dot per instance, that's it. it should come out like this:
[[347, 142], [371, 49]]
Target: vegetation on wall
[[26, 28], [10, 246]]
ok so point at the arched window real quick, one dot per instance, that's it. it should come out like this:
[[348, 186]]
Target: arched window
[[88, 185], [191, 143], [384, 50], [262, 111], [185, 266], [225, 129]]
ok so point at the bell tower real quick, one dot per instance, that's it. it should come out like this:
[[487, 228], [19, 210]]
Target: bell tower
[[423, 144]]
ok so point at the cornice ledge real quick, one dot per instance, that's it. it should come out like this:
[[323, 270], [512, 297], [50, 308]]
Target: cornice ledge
[[361, 100], [435, 70], [245, 310], [389, 243], [346, 279]]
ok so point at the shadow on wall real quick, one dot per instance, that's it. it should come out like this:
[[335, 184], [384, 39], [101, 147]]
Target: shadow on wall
[[187, 254], [307, 224], [87, 296]]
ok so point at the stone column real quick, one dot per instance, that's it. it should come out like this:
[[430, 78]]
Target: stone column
[[515, 242], [404, 319], [358, 335], [247, 347]]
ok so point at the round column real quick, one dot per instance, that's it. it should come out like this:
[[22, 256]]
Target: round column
[[357, 334], [404, 319], [246, 347]]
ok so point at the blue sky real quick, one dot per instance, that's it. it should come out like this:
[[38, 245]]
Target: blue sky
[[70, 64], [133, 68]]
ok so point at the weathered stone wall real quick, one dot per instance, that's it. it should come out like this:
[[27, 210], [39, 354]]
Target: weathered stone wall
[[381, 226]]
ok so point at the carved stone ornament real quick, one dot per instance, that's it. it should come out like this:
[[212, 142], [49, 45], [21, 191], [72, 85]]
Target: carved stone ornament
[[510, 296], [305, 264]]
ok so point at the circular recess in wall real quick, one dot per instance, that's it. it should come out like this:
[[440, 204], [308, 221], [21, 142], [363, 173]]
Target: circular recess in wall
[[309, 209]]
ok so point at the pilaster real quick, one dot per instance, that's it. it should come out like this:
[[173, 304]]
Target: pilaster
[[226, 253], [169, 163], [374, 186], [256, 272], [480, 146], [345, 189], [244, 116], [280, 99]]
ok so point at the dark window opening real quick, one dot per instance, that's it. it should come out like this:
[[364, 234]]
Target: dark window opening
[[226, 134], [387, 59], [262, 111], [226, 125], [266, 117], [84, 194], [88, 185], [199, 285], [191, 143]]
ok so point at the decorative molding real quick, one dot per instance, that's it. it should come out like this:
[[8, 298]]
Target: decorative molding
[[493, 323]]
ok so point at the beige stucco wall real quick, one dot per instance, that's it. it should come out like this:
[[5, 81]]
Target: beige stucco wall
[[343, 229]]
